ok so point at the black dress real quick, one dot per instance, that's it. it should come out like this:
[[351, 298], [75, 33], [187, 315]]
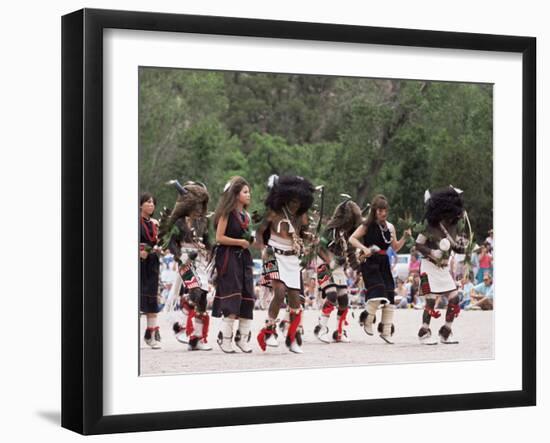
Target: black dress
[[234, 276], [148, 269], [376, 269]]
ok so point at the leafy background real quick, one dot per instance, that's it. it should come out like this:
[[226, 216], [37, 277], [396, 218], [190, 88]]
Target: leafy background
[[354, 135]]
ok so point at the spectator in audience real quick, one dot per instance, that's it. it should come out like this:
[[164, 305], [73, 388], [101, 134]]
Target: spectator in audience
[[489, 241], [414, 292], [465, 291], [414, 263], [310, 294], [485, 263], [459, 265], [483, 294], [167, 258], [401, 295]]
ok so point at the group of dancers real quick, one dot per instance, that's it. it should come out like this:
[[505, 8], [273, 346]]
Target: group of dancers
[[288, 242]]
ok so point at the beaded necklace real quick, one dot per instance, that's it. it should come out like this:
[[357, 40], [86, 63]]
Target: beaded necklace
[[383, 231], [243, 218], [151, 236]]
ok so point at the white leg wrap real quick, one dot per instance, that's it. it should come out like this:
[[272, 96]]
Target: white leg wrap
[[387, 319], [244, 326], [321, 330], [225, 336], [201, 345], [183, 315], [152, 321], [243, 335], [285, 322], [227, 327], [371, 308], [198, 327], [287, 315]]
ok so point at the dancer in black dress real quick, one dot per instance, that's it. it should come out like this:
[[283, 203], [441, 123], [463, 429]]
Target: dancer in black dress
[[373, 238], [235, 298], [149, 269]]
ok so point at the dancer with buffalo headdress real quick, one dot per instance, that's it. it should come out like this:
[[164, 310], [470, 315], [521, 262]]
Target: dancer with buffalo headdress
[[331, 274], [185, 234]]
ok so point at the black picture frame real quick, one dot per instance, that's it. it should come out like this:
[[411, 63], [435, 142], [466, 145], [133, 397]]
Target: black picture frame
[[82, 219]]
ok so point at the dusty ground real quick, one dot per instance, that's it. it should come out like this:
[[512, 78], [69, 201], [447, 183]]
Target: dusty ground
[[473, 330]]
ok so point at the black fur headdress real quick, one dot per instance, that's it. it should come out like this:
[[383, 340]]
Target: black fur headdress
[[287, 188], [444, 204]]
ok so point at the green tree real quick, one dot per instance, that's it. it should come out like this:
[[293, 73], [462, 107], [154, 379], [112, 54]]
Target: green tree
[[354, 135]]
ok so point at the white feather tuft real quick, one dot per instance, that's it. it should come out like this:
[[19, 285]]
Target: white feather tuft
[[272, 180], [427, 195], [458, 191]]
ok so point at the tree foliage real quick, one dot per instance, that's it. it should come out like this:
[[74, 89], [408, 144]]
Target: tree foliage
[[354, 135]]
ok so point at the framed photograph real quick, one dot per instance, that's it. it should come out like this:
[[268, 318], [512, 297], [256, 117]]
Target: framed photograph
[[269, 221]]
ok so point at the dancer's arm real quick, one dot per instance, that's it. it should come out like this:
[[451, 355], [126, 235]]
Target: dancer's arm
[[355, 240], [223, 239], [265, 225], [398, 244]]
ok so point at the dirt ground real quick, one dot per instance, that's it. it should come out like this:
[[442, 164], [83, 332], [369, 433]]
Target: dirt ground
[[473, 329]]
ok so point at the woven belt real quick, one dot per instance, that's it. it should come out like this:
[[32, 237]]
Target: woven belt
[[442, 263], [283, 252], [381, 252]]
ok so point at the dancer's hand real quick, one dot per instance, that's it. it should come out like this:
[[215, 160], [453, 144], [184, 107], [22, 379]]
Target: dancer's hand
[[367, 252], [244, 244]]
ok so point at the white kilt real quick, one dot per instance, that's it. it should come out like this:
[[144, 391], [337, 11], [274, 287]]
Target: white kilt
[[439, 279], [290, 272]]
